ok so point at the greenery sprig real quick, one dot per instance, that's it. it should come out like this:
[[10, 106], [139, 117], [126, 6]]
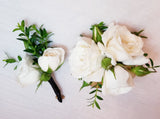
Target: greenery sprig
[[35, 39], [96, 88], [11, 60], [139, 34], [97, 31]]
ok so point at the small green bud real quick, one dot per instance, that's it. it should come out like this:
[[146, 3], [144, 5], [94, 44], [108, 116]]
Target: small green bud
[[140, 70], [106, 63]]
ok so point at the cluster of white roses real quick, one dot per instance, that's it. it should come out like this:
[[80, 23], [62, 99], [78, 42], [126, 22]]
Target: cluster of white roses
[[27, 73], [120, 45]]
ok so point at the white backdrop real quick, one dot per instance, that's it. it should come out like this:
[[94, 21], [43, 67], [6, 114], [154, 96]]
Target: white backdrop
[[67, 19]]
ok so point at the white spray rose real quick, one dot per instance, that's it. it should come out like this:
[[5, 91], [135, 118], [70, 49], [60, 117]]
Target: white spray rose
[[123, 45], [121, 84], [85, 60], [26, 72], [51, 58]]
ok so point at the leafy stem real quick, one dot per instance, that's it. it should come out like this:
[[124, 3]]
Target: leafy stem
[[35, 39], [11, 60], [95, 97], [97, 31], [139, 34]]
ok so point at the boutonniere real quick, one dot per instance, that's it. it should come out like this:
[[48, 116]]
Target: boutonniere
[[40, 60], [109, 60]]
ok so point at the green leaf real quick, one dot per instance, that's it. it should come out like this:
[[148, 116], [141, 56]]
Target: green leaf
[[112, 70], [49, 70], [22, 39], [29, 50], [27, 31], [156, 66], [85, 84], [22, 23], [140, 31], [90, 104], [97, 105], [91, 98], [39, 84], [35, 28], [10, 60], [19, 58], [100, 98], [26, 44], [152, 64], [148, 65], [92, 91], [21, 34], [45, 76], [16, 29], [59, 66], [145, 54], [143, 36], [138, 34], [15, 67], [99, 90]]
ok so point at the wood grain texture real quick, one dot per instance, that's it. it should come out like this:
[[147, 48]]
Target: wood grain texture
[[67, 19]]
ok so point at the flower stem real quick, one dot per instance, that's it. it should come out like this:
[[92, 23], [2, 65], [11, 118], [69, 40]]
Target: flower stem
[[56, 89]]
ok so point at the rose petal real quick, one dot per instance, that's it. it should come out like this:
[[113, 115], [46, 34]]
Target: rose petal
[[26, 73], [140, 60], [122, 84], [95, 76]]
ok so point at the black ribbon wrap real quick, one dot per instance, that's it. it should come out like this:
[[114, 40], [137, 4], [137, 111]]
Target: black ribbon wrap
[[56, 89]]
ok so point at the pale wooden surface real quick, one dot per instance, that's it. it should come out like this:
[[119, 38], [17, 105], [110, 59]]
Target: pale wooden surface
[[67, 19]]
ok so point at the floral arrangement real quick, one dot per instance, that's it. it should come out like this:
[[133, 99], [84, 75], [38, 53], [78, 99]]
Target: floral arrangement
[[109, 60], [40, 60]]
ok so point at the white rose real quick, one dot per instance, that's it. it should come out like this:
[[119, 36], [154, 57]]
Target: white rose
[[123, 45], [85, 60], [122, 84], [51, 58], [26, 72]]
